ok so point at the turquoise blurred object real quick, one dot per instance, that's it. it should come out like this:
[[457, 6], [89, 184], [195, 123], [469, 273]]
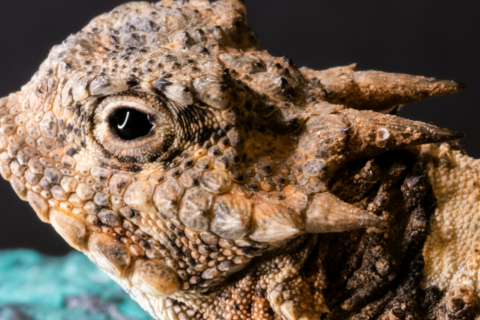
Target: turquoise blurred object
[[38, 287]]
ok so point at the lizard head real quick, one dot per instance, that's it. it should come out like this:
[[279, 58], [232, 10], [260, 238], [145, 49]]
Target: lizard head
[[164, 143]]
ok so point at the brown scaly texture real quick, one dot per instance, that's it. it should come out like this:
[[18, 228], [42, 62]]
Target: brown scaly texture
[[198, 171]]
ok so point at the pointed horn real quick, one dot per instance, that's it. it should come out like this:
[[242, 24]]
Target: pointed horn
[[382, 91], [371, 133], [327, 213], [378, 91]]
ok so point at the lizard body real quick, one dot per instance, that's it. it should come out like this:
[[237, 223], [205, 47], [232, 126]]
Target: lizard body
[[197, 170]]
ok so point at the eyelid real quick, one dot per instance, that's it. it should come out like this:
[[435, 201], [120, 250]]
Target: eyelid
[[110, 107]]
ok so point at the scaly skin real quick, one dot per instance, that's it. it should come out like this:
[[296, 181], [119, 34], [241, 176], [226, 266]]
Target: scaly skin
[[213, 212]]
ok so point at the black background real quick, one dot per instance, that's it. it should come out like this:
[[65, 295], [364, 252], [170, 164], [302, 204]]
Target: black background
[[434, 38]]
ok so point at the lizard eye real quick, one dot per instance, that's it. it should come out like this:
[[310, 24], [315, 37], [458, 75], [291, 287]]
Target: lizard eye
[[133, 127], [130, 124]]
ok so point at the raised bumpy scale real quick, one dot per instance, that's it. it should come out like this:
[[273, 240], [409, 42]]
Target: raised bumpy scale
[[212, 180]]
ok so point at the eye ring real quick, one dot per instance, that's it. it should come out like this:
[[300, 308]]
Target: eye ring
[[141, 146]]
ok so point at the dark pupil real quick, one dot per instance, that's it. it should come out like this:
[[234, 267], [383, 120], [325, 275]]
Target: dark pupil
[[130, 124]]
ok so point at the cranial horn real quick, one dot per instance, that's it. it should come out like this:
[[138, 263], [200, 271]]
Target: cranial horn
[[327, 213], [375, 90], [371, 133]]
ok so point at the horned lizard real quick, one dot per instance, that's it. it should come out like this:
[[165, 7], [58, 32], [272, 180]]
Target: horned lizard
[[212, 180]]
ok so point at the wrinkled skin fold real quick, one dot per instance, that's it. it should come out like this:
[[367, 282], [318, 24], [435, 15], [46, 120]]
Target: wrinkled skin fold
[[212, 180]]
